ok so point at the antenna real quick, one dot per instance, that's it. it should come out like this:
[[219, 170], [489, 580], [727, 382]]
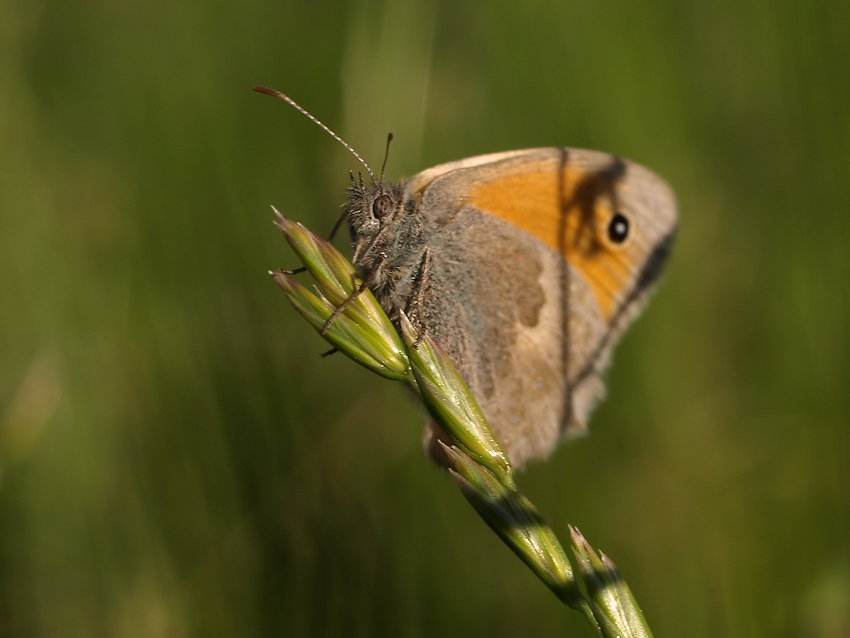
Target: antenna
[[386, 156], [289, 100]]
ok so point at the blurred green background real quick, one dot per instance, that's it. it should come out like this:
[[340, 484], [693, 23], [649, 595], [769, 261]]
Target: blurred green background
[[176, 459]]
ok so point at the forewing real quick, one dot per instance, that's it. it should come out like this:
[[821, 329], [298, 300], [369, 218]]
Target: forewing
[[528, 291]]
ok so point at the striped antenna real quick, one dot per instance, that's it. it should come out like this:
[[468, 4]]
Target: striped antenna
[[289, 100]]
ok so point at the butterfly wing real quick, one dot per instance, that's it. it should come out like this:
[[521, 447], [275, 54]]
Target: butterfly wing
[[531, 281]]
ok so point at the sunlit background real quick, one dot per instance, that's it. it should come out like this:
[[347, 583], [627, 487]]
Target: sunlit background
[[177, 460]]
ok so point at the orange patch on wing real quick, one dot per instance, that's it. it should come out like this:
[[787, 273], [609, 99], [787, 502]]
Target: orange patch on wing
[[569, 211]]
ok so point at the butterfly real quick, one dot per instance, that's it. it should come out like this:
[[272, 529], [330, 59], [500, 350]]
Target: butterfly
[[525, 266]]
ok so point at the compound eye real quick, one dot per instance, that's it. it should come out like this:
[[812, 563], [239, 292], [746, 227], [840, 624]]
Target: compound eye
[[618, 228], [382, 206]]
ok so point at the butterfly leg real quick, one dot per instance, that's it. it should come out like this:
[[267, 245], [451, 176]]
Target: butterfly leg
[[419, 285], [336, 226], [285, 271], [363, 286]]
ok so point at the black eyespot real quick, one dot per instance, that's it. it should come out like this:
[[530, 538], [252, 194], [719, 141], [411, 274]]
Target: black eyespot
[[382, 206], [618, 229]]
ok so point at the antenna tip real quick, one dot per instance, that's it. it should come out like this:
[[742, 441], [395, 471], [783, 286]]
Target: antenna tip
[[390, 137]]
